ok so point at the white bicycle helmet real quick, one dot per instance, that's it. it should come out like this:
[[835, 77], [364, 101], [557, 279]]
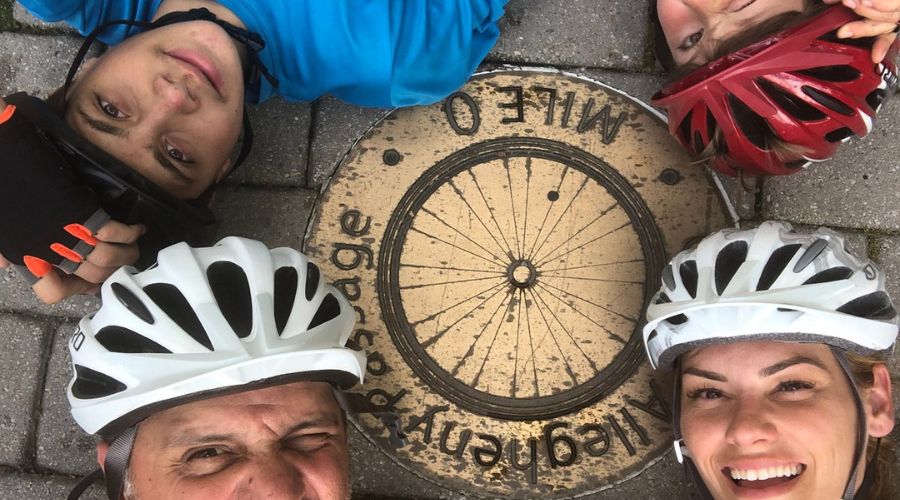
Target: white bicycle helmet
[[204, 322], [769, 283]]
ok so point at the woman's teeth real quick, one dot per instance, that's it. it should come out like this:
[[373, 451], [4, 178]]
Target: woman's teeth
[[768, 473]]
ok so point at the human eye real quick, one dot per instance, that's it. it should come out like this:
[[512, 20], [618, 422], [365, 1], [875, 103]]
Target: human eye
[[705, 393], [794, 389], [207, 460], [692, 40], [309, 442], [109, 109], [176, 154]]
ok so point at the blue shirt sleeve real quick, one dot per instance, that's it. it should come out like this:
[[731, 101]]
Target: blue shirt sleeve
[[85, 15]]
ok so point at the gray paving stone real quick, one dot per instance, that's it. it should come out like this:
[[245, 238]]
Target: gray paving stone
[[22, 16], [860, 187], [275, 216], [337, 127], [16, 296], [280, 145], [20, 486], [608, 34], [61, 445], [21, 373], [34, 64]]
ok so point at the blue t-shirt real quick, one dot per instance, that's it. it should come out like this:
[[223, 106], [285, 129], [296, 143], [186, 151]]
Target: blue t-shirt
[[380, 53]]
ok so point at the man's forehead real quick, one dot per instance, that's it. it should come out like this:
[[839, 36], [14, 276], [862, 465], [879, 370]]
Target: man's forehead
[[300, 400]]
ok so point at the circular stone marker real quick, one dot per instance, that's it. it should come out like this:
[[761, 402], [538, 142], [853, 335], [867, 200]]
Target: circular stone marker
[[499, 273]]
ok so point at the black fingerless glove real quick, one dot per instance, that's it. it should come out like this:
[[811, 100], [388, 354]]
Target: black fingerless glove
[[47, 217]]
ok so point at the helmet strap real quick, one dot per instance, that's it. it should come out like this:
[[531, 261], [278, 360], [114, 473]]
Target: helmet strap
[[850, 489], [116, 464], [681, 451]]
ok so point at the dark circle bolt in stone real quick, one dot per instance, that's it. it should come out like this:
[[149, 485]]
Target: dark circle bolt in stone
[[521, 274], [553, 196], [670, 176], [391, 157]]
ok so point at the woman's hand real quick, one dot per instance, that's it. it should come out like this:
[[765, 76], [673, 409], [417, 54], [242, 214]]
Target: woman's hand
[[116, 247], [881, 18]]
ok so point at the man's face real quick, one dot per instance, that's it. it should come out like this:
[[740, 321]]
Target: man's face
[[694, 28], [286, 441], [167, 102]]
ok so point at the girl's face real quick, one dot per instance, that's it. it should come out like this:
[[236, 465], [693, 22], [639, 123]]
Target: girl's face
[[773, 419], [694, 28]]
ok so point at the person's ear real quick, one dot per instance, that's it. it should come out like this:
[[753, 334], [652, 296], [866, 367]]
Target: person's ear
[[102, 448], [879, 403]]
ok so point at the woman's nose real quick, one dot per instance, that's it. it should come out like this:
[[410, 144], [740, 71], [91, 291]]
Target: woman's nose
[[749, 424]]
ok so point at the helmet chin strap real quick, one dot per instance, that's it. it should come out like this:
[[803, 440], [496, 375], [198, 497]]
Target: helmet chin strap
[[850, 493]]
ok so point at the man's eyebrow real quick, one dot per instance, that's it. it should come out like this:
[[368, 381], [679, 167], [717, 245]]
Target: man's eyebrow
[[101, 126], [796, 360], [718, 377], [186, 438]]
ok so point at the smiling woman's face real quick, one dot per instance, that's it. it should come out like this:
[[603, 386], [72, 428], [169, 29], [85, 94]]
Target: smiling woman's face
[[769, 420], [694, 28]]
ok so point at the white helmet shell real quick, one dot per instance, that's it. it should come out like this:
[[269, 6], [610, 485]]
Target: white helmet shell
[[205, 321], [769, 283]]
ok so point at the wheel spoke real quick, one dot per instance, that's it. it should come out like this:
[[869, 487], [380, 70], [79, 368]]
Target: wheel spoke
[[570, 238], [491, 211], [464, 235], [471, 350], [437, 336], [559, 219], [423, 233], [609, 333], [604, 235], [462, 197]]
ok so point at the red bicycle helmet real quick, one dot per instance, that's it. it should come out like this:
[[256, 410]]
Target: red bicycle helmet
[[805, 85]]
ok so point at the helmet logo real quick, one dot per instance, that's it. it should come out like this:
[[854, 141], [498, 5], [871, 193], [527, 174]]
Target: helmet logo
[[870, 272]]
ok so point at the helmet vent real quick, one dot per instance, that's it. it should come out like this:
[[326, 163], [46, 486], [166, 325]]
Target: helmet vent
[[286, 281], [232, 291], [168, 298], [810, 254], [832, 73], [751, 124], [663, 299], [776, 264], [90, 384], [728, 262], [839, 134], [698, 143], [131, 302], [329, 309], [688, 272], [711, 124], [875, 305], [677, 319], [312, 280], [684, 129], [827, 101], [829, 275], [876, 98], [789, 103], [121, 339], [668, 277]]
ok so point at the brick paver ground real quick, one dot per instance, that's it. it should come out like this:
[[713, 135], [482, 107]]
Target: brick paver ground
[[299, 146]]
